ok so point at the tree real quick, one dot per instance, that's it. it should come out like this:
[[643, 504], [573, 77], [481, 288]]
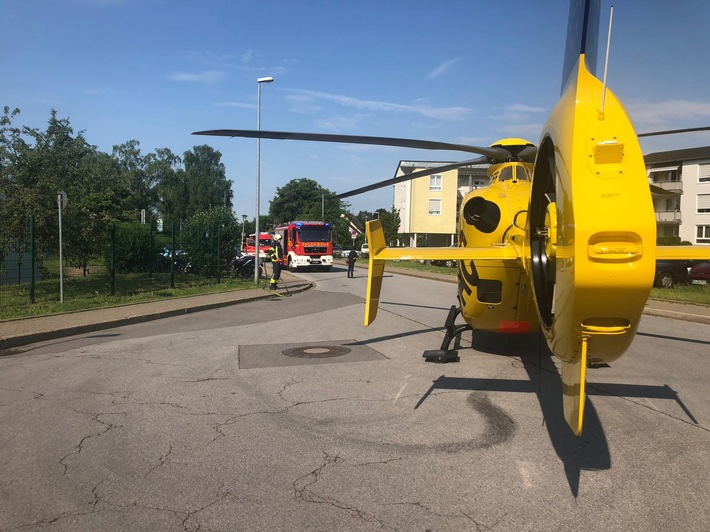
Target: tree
[[36, 165], [135, 176], [205, 180], [164, 170], [305, 199], [390, 224]]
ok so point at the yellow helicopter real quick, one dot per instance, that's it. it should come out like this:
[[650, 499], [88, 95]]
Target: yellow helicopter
[[564, 238]]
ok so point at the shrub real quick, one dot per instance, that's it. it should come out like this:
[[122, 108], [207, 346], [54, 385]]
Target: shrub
[[199, 239], [134, 249]]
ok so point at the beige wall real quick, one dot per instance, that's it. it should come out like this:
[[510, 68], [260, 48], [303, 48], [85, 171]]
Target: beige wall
[[420, 219]]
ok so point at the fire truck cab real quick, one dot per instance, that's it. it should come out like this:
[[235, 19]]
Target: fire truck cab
[[264, 245], [307, 245]]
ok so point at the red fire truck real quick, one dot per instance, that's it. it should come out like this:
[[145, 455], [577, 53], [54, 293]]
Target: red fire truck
[[307, 245], [264, 245]]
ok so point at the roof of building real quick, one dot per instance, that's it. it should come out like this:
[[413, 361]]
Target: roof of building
[[688, 154]]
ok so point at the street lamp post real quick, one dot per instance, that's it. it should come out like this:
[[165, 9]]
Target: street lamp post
[[257, 266]]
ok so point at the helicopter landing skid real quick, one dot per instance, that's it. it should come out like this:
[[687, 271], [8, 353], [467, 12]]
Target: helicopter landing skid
[[444, 354]]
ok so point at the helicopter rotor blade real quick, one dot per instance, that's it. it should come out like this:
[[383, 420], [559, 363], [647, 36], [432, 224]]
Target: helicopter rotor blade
[[408, 177], [527, 154], [497, 154], [673, 131]]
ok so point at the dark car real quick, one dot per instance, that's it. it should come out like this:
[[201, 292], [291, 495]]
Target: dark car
[[700, 273], [337, 251], [670, 272]]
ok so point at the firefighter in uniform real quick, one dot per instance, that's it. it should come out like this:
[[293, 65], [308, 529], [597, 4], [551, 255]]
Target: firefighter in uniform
[[276, 253]]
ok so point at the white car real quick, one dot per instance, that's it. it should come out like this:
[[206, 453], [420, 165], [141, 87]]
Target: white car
[[365, 250]]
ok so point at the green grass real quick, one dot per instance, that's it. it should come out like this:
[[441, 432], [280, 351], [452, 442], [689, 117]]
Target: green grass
[[683, 293], [94, 291]]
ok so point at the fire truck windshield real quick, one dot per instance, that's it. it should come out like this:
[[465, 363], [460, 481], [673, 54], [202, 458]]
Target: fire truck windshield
[[314, 234]]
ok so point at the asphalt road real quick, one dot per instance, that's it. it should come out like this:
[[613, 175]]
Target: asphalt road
[[290, 415]]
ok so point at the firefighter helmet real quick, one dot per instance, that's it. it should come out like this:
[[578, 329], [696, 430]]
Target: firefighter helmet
[[277, 238]]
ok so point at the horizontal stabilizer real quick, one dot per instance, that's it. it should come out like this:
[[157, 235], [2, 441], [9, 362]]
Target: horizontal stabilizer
[[446, 253], [683, 253]]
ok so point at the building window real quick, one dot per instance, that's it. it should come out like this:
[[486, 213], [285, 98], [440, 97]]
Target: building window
[[704, 173], [703, 203], [664, 175], [435, 207], [435, 182], [703, 235]]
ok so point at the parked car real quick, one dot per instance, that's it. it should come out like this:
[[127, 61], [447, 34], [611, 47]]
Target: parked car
[[337, 251], [700, 273], [450, 263], [365, 250], [670, 272]]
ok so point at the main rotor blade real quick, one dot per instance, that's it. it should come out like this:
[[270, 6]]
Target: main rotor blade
[[527, 154], [672, 131], [407, 177], [496, 154]]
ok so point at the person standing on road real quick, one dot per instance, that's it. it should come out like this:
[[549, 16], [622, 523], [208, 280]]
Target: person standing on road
[[276, 253], [352, 257]]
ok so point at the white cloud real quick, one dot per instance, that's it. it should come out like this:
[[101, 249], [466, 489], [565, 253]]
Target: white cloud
[[441, 113], [668, 112], [441, 69], [205, 76]]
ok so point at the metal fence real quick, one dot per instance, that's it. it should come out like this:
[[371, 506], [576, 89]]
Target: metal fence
[[124, 263]]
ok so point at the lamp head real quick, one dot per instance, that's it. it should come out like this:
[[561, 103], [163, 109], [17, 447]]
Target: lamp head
[[265, 80]]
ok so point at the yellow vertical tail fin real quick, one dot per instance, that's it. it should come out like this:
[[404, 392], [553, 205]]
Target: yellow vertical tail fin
[[376, 242], [573, 389]]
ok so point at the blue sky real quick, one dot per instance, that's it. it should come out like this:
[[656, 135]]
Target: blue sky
[[456, 71]]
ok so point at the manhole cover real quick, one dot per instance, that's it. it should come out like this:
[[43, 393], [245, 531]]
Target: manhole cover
[[317, 351]]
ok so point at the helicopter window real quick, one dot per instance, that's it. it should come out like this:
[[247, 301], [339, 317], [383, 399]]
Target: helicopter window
[[521, 174], [505, 174], [435, 182], [435, 207], [489, 291]]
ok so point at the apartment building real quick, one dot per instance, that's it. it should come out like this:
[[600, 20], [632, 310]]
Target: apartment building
[[680, 188], [429, 206]]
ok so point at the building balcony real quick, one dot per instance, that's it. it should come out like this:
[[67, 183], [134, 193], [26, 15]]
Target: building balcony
[[672, 217], [674, 186]]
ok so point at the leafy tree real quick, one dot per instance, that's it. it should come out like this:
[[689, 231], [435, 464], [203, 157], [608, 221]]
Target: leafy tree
[[205, 180], [164, 170], [36, 165], [305, 199], [135, 176], [390, 224], [96, 200]]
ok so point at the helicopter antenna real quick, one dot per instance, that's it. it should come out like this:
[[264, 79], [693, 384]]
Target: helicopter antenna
[[606, 61]]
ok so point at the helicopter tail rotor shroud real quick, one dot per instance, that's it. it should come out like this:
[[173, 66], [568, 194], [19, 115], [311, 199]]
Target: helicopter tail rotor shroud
[[591, 233]]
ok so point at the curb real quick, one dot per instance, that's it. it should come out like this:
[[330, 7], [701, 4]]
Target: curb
[[24, 339]]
